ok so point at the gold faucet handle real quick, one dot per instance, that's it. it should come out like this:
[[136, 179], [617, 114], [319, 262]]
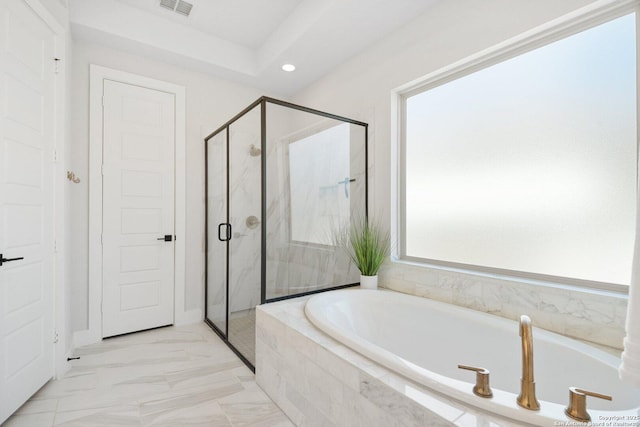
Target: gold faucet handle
[[577, 408], [482, 387]]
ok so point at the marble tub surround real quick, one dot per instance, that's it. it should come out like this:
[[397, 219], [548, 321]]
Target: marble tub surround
[[175, 376], [320, 382], [424, 340], [585, 314]]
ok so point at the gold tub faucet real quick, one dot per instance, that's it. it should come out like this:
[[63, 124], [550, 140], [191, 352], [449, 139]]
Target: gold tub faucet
[[577, 408], [527, 398]]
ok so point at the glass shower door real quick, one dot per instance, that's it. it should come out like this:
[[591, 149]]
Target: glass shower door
[[218, 232], [245, 212], [282, 180]]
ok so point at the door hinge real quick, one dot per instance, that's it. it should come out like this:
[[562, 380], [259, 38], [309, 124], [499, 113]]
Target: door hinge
[[55, 156], [55, 337], [101, 239], [55, 246], [103, 100], [56, 68], [102, 170]]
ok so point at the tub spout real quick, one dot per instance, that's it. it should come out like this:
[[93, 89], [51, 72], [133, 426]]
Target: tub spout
[[527, 398]]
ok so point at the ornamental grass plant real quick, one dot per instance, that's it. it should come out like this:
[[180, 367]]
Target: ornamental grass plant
[[367, 245]]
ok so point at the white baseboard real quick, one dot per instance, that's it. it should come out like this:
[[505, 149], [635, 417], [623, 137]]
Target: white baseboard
[[63, 365], [188, 317], [86, 337]]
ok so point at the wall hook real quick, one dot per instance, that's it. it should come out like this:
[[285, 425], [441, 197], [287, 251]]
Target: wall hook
[[254, 151], [72, 177]]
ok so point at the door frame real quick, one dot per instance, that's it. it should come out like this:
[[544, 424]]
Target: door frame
[[97, 74]]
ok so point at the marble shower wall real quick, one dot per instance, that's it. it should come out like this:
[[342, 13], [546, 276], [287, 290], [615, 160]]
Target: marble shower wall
[[295, 266]]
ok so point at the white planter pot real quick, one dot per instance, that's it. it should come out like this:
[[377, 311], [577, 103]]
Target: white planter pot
[[369, 282]]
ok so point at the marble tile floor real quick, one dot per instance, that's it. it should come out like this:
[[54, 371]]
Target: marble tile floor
[[174, 376]]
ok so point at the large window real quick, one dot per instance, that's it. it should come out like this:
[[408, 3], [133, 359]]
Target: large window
[[320, 184], [528, 165]]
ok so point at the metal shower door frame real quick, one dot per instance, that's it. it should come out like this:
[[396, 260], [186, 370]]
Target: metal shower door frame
[[262, 103]]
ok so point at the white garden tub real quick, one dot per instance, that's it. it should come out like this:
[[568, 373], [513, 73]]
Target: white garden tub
[[425, 341]]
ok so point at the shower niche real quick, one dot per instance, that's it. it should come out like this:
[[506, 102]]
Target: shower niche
[[282, 180]]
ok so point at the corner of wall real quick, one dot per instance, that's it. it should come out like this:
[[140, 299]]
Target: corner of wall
[[189, 317]]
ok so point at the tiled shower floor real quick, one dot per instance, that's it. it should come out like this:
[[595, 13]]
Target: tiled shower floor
[[175, 376], [242, 334]]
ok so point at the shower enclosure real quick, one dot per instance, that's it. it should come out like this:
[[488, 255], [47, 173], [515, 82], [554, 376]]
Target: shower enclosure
[[282, 183]]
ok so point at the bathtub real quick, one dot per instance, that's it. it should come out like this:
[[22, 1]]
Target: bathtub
[[425, 340]]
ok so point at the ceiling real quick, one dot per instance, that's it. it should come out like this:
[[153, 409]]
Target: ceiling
[[246, 41], [227, 19]]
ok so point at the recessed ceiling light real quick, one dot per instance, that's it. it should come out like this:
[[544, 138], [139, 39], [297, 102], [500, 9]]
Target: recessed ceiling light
[[289, 67]]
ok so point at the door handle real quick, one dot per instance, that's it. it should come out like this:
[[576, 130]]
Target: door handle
[[166, 238], [227, 234], [3, 259]]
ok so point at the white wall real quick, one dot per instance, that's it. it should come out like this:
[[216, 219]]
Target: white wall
[[361, 89], [59, 9], [448, 32], [210, 103]]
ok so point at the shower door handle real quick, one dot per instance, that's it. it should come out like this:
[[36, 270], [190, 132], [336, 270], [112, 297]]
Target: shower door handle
[[227, 233]]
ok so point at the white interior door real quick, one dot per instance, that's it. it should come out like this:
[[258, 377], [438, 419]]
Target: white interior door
[[138, 208], [26, 204]]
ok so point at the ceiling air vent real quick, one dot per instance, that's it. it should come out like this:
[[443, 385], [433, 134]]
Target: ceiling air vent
[[178, 6], [184, 8], [169, 4]]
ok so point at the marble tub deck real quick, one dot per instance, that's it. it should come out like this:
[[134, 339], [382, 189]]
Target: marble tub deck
[[318, 381], [174, 376]]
